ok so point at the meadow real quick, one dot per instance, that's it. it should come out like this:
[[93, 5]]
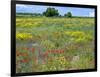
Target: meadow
[[54, 43]]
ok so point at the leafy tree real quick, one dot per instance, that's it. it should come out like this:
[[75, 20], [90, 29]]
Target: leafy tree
[[50, 12], [69, 14]]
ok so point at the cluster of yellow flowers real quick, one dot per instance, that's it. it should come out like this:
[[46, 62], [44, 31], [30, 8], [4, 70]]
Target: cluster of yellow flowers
[[23, 36], [75, 33], [78, 36], [61, 60]]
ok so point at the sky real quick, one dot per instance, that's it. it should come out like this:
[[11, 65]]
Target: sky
[[88, 12]]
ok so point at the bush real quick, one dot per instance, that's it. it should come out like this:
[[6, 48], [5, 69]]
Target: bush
[[69, 14]]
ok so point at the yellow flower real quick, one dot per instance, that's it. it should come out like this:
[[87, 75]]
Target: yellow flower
[[23, 36], [75, 33]]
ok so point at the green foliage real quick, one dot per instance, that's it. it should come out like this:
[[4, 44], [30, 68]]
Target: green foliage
[[47, 44], [69, 14], [50, 12], [50, 35], [56, 64]]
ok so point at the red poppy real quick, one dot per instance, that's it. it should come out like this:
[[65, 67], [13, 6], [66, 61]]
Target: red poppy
[[33, 49], [52, 51], [62, 51], [24, 54], [58, 51], [49, 51], [46, 54], [24, 60]]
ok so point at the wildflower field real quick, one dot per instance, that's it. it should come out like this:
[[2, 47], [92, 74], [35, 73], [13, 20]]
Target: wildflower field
[[54, 43]]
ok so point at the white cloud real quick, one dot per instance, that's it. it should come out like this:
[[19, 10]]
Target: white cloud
[[91, 14], [20, 5]]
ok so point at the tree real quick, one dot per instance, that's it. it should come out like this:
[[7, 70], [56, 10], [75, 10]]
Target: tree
[[69, 14], [50, 12]]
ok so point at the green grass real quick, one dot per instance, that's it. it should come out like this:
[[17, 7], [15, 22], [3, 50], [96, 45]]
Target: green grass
[[49, 36]]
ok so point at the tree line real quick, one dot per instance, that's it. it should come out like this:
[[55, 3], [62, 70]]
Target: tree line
[[50, 12]]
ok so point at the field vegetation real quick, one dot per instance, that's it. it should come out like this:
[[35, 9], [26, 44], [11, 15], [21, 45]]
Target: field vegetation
[[53, 43]]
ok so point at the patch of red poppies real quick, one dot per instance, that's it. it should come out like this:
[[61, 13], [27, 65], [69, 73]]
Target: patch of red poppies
[[24, 61], [56, 51]]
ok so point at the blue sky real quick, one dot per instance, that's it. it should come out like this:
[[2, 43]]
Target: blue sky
[[21, 8]]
